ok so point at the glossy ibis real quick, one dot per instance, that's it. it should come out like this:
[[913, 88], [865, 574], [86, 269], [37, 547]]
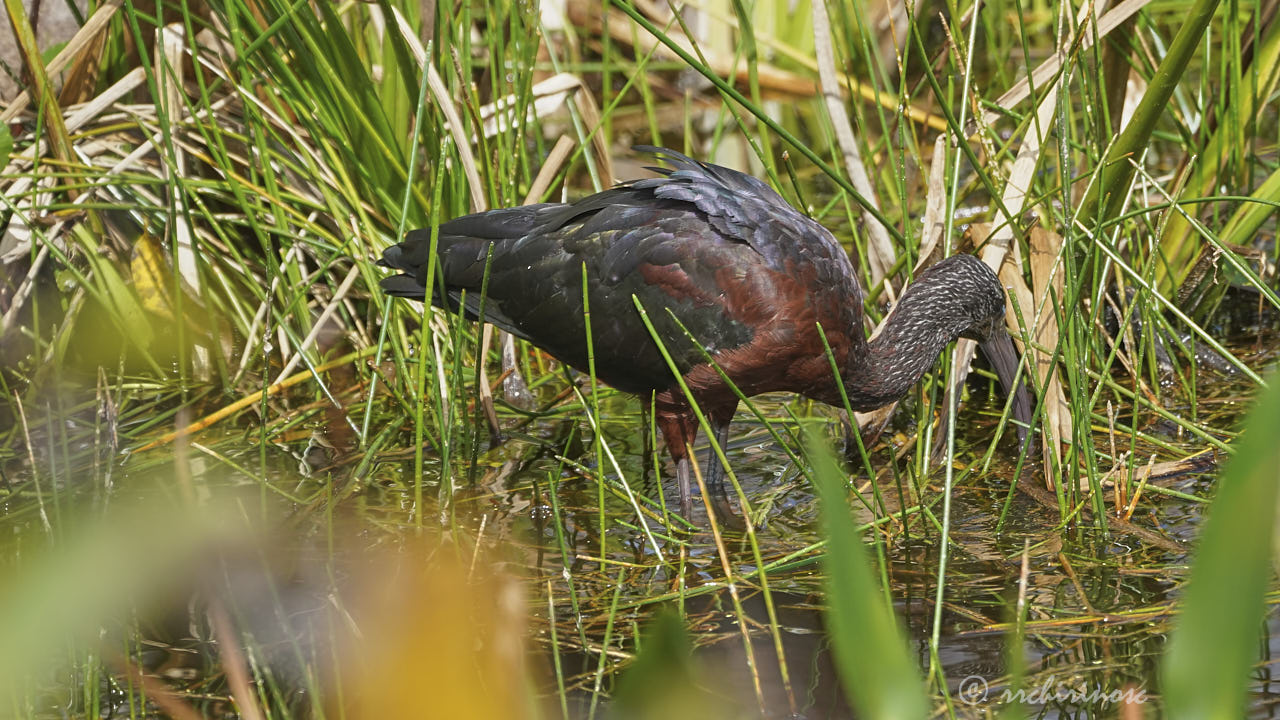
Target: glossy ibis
[[721, 252]]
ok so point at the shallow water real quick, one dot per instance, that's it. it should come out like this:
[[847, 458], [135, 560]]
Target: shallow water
[[1098, 606]]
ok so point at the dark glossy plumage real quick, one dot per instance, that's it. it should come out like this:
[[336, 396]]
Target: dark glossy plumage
[[748, 276]]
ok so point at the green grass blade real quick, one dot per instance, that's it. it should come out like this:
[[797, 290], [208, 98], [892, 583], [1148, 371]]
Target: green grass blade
[[1215, 161], [1107, 194]]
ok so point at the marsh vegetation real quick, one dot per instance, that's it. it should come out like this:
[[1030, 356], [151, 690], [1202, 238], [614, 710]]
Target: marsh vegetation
[[236, 479]]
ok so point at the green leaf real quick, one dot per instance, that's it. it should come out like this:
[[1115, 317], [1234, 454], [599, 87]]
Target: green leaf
[[663, 680], [51, 52], [115, 293], [878, 673], [1206, 668], [6, 144], [1250, 216]]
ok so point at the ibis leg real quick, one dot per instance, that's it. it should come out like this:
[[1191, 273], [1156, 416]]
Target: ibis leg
[[679, 427], [684, 478], [715, 477]]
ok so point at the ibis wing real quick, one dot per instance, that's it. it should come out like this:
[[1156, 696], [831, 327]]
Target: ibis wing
[[551, 286], [676, 243]]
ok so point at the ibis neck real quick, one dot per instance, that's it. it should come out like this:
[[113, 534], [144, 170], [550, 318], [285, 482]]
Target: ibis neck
[[893, 361]]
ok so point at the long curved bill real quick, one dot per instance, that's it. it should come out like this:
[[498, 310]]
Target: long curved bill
[[998, 348]]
